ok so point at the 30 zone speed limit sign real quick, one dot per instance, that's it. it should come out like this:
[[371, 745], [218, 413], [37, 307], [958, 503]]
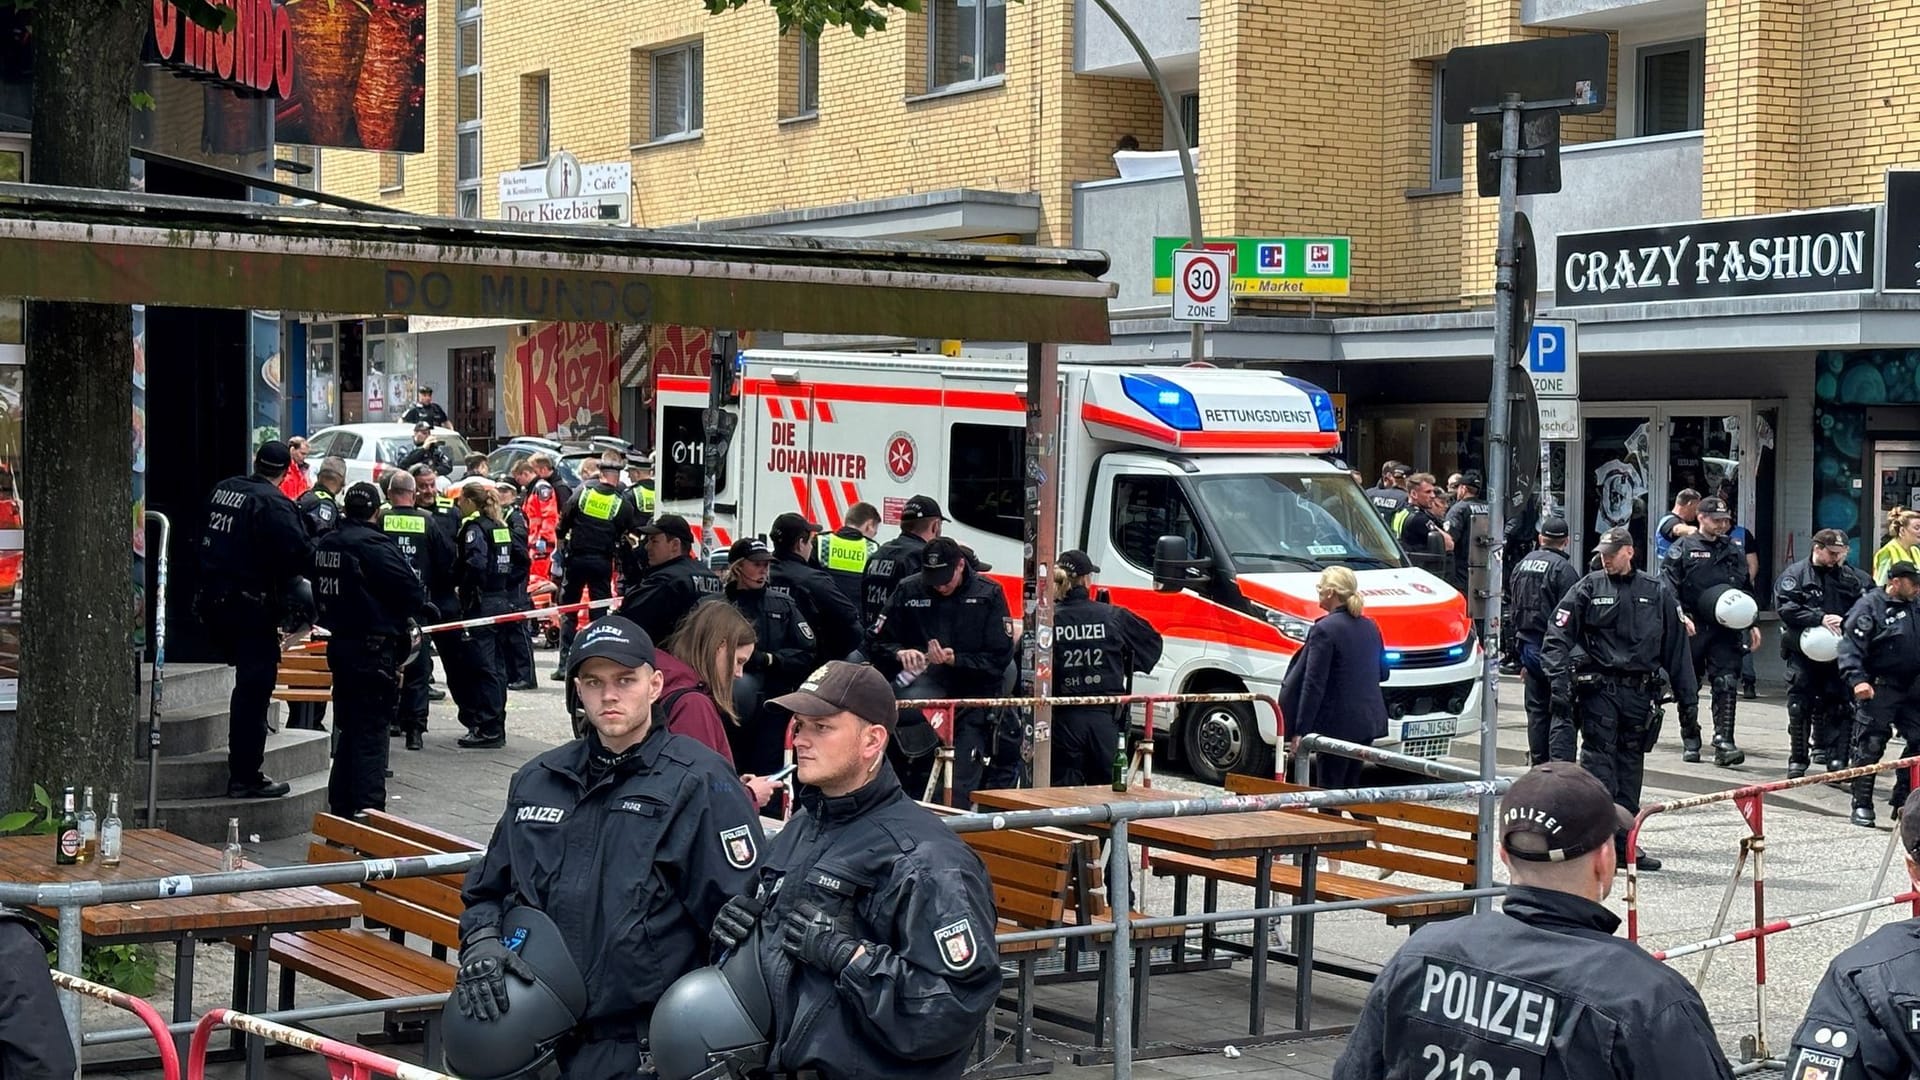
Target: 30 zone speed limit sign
[[1202, 290]]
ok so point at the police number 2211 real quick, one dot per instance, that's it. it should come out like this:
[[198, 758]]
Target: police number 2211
[[1459, 1066]]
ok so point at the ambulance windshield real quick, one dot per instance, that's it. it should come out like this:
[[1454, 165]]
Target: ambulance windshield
[[1280, 523]]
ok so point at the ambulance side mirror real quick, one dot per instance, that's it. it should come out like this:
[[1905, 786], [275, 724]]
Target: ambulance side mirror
[[1173, 571]]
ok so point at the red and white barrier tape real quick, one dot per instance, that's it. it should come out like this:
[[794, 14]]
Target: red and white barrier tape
[[489, 620], [1779, 925]]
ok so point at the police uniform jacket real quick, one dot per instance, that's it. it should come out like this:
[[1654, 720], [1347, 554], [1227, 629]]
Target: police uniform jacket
[[1097, 645], [643, 502], [834, 618], [429, 454], [519, 554], [1459, 525], [631, 861], [1539, 581], [1806, 594], [33, 1034], [362, 584], [1540, 990], [483, 572], [1694, 564], [592, 524], [253, 542], [1879, 639], [428, 549], [893, 562], [1387, 500], [844, 553], [658, 601], [785, 650], [1864, 1020], [973, 622], [1619, 627], [919, 898], [430, 411], [318, 511]]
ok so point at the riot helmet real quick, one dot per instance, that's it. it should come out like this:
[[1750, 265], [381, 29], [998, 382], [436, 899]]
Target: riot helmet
[[539, 1013], [1728, 606], [1820, 644], [714, 1022]]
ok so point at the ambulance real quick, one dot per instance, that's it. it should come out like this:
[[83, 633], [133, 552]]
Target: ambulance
[[1232, 461]]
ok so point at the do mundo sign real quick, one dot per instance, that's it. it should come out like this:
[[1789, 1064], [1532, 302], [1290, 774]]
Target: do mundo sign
[[518, 295]]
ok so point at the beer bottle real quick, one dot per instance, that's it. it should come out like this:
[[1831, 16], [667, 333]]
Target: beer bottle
[[66, 850], [1121, 764], [89, 827], [110, 833], [230, 858]]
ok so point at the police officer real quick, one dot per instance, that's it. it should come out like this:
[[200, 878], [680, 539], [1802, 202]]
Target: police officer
[[33, 1034], [424, 411], [674, 581], [1880, 659], [516, 645], [946, 634], [483, 577], [844, 553], [368, 598], [898, 559], [1694, 565], [640, 488], [783, 656], [1467, 505], [1541, 989], [428, 549], [592, 527], [631, 838], [1862, 1023], [1817, 591], [318, 509], [1389, 496], [1097, 648], [430, 494], [834, 618], [1540, 581], [1612, 637], [251, 551], [1416, 523], [427, 451], [874, 921]]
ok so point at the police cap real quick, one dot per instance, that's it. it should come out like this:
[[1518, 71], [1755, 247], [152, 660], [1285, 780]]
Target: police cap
[[360, 502], [838, 686], [1077, 563], [789, 527], [670, 525], [1614, 539], [942, 554], [613, 638], [921, 508], [273, 454], [1558, 811], [1714, 507], [1904, 569], [1831, 538], [422, 425], [1471, 478], [1553, 527], [750, 548]]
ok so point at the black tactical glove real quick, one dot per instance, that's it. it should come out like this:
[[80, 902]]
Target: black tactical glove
[[481, 987], [736, 920], [760, 662], [814, 938]]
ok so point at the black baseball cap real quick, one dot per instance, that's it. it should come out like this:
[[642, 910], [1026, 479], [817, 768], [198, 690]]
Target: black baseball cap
[[422, 425], [838, 686], [1075, 562], [790, 526], [920, 508], [1559, 811], [1614, 539], [750, 547], [1472, 478], [1910, 824], [942, 554], [1832, 538], [671, 525], [273, 454], [1553, 527], [617, 639], [1714, 507], [1905, 569], [360, 501], [426, 388]]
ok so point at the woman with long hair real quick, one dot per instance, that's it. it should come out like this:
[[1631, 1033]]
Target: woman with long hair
[[699, 664], [1903, 542], [1332, 687]]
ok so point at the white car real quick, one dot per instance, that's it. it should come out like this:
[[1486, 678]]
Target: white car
[[373, 450]]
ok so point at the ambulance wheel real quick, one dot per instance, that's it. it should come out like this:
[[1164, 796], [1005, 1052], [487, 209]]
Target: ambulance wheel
[[1218, 738]]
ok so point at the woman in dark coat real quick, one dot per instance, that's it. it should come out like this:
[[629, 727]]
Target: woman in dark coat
[[1333, 686]]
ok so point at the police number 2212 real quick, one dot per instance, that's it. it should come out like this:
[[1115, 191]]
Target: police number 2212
[[1458, 1066]]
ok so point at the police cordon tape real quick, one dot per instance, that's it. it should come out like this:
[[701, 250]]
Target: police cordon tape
[[169, 1055], [1789, 923], [344, 1059], [488, 620]]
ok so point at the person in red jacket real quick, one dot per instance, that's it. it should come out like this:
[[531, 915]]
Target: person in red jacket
[[712, 647], [296, 483]]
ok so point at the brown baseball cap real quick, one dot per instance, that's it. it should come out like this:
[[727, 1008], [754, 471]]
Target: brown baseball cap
[[1831, 538], [1614, 539], [838, 686], [1559, 811]]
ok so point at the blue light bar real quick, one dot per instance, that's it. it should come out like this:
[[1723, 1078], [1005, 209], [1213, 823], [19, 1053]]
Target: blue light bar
[[1457, 652], [1393, 657], [1322, 404], [1165, 401]]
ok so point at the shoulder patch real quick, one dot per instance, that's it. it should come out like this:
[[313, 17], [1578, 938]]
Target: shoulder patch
[[957, 945], [1811, 1064], [737, 842], [1561, 616]]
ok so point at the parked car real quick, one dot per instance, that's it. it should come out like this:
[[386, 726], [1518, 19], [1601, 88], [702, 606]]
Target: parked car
[[372, 450], [569, 458]]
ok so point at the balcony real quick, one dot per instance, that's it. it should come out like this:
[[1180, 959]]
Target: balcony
[[1121, 217], [1609, 14], [1615, 185], [1170, 29]]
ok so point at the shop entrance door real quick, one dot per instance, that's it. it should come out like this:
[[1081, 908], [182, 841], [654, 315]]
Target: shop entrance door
[[1896, 480], [1616, 478], [472, 412]]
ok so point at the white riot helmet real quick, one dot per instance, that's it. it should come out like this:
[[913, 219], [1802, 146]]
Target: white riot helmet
[[1820, 644], [1732, 608]]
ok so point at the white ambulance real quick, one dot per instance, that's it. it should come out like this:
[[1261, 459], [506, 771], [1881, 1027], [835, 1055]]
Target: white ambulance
[[1231, 460]]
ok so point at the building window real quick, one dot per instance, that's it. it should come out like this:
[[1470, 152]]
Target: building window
[[808, 95], [985, 492], [966, 42], [1672, 87], [393, 172], [1190, 117], [674, 91], [1446, 142], [467, 109], [536, 130]]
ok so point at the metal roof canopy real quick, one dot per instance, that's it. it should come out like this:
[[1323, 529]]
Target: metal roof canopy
[[77, 244]]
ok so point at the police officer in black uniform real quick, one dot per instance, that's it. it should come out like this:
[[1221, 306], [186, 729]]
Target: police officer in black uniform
[[640, 490], [1817, 591], [785, 652], [1540, 581], [898, 559], [1542, 989], [875, 922], [1467, 505], [591, 529], [1097, 648], [318, 508], [834, 618], [252, 549], [1864, 1020], [631, 838], [674, 582], [428, 549], [1613, 636], [368, 598], [483, 578], [947, 634], [844, 552], [427, 451], [1693, 565], [33, 1033], [516, 644], [424, 410], [1880, 660], [1389, 496]]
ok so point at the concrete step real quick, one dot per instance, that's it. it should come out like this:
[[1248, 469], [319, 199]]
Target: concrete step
[[186, 730], [205, 820], [184, 685], [290, 753]]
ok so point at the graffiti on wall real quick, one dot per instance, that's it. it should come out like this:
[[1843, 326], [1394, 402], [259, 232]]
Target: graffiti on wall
[[561, 381]]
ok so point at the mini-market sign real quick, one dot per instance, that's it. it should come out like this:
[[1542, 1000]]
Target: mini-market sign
[[1272, 266]]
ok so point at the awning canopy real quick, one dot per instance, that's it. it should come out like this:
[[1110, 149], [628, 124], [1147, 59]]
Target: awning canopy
[[133, 248]]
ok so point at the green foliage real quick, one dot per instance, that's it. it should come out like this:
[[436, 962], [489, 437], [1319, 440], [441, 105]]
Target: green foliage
[[141, 101], [813, 16], [129, 968], [36, 821]]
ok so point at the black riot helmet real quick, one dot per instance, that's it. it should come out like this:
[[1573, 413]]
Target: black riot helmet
[[297, 606], [538, 1014], [714, 1022]]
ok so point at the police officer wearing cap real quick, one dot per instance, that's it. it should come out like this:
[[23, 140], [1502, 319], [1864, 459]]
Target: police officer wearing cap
[[835, 619], [1812, 596], [427, 451], [1701, 567], [1540, 580], [253, 551], [516, 641], [1541, 989], [1097, 648], [874, 921], [318, 507], [781, 658], [640, 488], [1467, 505], [1389, 496], [33, 1034], [424, 411], [368, 598], [1864, 1020], [1879, 658], [844, 553], [674, 581], [946, 634], [631, 838], [428, 549], [483, 578], [591, 529], [1614, 638], [898, 559]]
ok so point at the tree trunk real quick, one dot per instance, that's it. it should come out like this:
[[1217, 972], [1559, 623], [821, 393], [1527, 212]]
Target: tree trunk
[[76, 677]]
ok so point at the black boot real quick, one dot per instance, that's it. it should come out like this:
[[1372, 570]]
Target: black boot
[[1798, 725], [1796, 769], [1725, 753], [416, 741], [1862, 816], [1690, 732], [482, 740]]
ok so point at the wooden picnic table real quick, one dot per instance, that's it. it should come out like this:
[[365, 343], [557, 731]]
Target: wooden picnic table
[[1262, 834], [251, 918]]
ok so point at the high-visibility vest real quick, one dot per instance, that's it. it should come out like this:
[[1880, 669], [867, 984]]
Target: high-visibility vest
[[597, 504], [841, 554], [643, 499]]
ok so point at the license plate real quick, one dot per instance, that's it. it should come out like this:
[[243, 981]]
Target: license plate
[[1425, 729]]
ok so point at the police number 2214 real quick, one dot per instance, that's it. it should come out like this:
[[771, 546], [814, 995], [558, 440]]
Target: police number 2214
[[1458, 1066]]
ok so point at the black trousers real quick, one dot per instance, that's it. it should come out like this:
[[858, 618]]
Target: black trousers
[[414, 680], [594, 578], [476, 678], [1084, 738], [1331, 772], [250, 639], [517, 647], [1893, 709], [1616, 731], [1549, 738], [366, 696], [1819, 711]]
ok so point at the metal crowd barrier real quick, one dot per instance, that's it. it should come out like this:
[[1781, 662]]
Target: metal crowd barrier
[[156, 1028], [344, 1060]]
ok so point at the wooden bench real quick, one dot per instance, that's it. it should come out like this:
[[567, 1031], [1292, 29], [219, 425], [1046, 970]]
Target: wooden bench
[[1030, 872], [1415, 838], [303, 677]]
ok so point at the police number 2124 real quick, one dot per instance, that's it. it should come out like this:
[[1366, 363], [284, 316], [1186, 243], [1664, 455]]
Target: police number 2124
[[1458, 1066]]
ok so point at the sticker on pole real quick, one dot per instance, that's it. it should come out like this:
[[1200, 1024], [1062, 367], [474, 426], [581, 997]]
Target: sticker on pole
[[1200, 293]]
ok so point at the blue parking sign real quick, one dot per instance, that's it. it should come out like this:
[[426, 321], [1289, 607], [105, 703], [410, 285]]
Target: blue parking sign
[[1547, 351]]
